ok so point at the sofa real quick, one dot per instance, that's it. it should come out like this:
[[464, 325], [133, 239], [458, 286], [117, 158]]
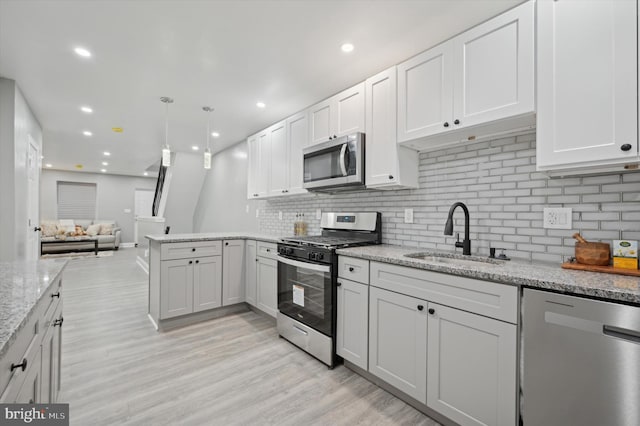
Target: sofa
[[106, 231]]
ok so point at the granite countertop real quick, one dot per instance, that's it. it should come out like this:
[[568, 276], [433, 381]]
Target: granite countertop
[[212, 236], [539, 275], [22, 284]]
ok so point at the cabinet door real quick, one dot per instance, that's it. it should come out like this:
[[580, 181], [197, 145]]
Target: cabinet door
[[30, 390], [471, 367], [425, 93], [398, 341], [587, 83], [254, 167], [349, 107], [279, 164], [267, 293], [207, 283], [264, 164], [382, 149], [176, 288], [251, 268], [297, 139], [233, 272], [353, 322], [320, 121], [51, 350], [494, 68]]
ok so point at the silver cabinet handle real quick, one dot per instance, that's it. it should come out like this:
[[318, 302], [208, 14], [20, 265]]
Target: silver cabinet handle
[[299, 330], [621, 333]]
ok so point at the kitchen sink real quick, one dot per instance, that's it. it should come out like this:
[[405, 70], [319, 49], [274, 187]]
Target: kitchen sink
[[452, 259]]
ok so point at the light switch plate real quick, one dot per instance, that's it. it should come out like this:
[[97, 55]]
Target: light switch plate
[[318, 214], [127, 210], [408, 215], [257, 212], [280, 215], [557, 217]]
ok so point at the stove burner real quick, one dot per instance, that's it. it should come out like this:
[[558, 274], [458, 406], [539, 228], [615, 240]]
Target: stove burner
[[326, 241]]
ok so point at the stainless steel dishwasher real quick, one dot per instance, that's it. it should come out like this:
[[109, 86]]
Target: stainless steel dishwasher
[[581, 361]]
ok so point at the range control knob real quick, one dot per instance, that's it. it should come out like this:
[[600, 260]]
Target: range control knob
[[288, 250]]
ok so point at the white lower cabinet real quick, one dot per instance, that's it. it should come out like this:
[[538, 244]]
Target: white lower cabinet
[[207, 283], [471, 367], [251, 266], [267, 285], [233, 285], [51, 358], [352, 322], [398, 341]]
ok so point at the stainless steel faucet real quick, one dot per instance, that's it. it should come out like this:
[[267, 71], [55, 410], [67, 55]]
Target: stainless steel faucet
[[448, 228]]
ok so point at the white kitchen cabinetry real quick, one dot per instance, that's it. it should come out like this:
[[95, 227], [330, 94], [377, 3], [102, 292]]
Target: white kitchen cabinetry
[[279, 161], [471, 367], [388, 165], [297, 130], [233, 277], [264, 164], [251, 265], [587, 86], [51, 356], [253, 173], [337, 116], [398, 341], [478, 84], [267, 278], [352, 322]]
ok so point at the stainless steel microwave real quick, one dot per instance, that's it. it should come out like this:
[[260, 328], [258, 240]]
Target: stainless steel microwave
[[335, 165]]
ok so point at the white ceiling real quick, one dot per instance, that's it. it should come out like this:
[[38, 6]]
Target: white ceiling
[[226, 54]]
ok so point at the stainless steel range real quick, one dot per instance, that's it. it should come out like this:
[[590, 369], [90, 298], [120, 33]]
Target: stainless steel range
[[307, 279]]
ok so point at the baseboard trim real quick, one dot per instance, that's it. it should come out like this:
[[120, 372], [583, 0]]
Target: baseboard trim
[[127, 245], [172, 323], [145, 267]]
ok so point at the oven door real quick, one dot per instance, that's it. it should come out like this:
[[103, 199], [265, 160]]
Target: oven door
[[304, 293]]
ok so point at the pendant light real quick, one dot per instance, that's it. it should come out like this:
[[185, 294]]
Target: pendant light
[[207, 152], [166, 151]]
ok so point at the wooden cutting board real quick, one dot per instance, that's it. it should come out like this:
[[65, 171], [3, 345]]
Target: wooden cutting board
[[605, 269]]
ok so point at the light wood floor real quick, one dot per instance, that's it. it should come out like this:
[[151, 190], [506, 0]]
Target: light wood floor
[[116, 369]]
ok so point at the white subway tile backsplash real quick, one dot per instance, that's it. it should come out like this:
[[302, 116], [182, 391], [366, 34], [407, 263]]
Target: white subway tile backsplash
[[497, 180]]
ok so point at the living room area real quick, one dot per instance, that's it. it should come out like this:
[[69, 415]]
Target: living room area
[[89, 213]]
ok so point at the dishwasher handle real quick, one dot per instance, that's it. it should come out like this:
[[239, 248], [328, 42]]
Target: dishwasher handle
[[621, 333]]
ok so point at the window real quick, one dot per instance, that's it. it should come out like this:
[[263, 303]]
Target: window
[[76, 200]]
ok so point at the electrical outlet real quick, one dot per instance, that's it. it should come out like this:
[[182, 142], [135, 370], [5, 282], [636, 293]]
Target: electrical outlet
[[280, 215], [257, 212], [127, 210], [318, 214], [408, 215], [557, 218]]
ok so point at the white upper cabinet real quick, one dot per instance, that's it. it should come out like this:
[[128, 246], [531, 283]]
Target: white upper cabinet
[[337, 116], [388, 166], [264, 164], [478, 84], [587, 86], [279, 164], [254, 166], [297, 139]]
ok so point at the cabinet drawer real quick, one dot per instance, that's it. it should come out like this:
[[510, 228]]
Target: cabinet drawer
[[486, 298], [269, 250], [353, 269], [191, 249]]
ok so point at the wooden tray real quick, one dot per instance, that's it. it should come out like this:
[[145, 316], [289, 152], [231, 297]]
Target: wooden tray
[[605, 269]]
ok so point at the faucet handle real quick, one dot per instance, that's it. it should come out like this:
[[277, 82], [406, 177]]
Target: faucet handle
[[492, 252]]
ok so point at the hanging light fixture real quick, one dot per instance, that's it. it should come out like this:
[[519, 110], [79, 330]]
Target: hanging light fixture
[[207, 152], [166, 151]]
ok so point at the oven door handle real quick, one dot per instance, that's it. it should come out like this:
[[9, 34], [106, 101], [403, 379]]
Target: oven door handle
[[304, 265], [343, 163]]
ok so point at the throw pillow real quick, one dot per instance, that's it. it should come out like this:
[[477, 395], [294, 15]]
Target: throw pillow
[[106, 228], [67, 225], [93, 230], [79, 231], [49, 228]]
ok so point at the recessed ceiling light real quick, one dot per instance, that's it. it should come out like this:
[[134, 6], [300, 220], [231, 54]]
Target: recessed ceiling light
[[48, 165], [106, 153], [195, 147], [104, 163], [146, 173], [86, 109], [87, 133], [261, 104], [347, 47], [215, 134], [81, 51], [103, 170]]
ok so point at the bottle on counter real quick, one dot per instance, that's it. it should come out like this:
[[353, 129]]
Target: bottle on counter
[[300, 226]]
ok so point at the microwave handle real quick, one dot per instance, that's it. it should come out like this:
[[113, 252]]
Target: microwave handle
[[343, 164]]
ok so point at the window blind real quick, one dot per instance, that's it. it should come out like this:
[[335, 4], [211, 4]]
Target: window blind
[[76, 200]]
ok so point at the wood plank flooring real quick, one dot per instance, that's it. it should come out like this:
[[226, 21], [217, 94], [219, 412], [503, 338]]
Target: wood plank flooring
[[116, 369]]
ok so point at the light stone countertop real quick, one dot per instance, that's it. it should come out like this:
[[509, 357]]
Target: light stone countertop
[[539, 275], [213, 236], [22, 285]]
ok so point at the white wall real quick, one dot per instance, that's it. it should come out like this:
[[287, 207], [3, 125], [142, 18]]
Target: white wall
[[223, 199], [114, 194], [183, 190], [17, 123]]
